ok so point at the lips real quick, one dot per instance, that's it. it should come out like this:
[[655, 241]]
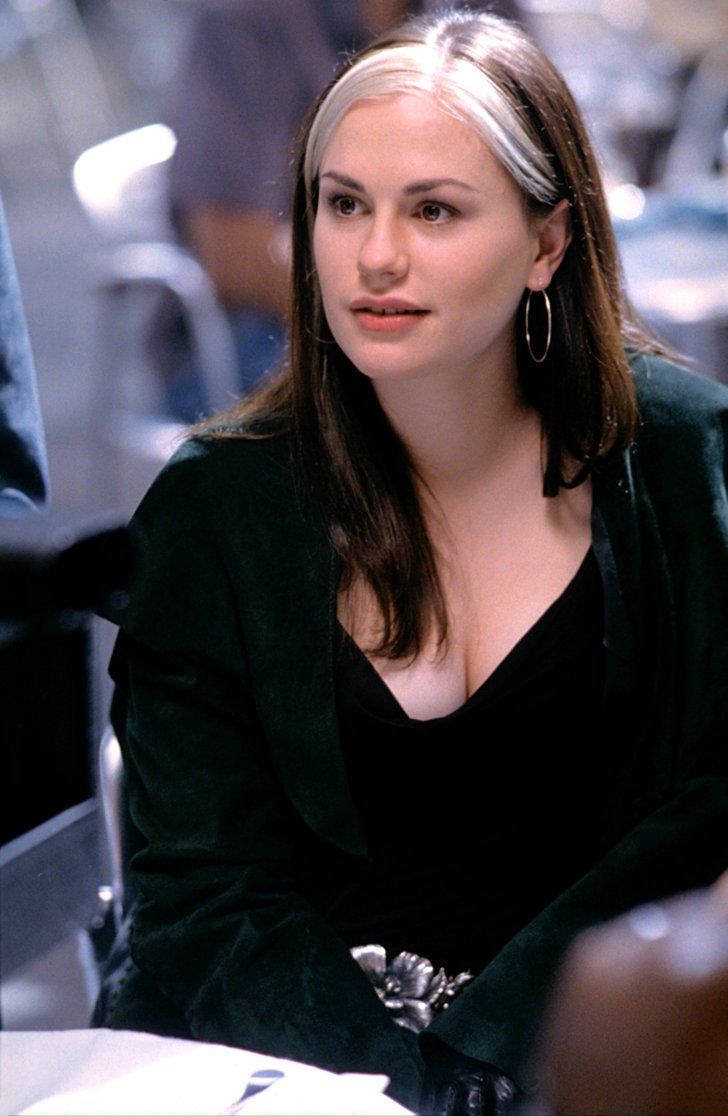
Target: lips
[[386, 316], [387, 312], [386, 306], [388, 321]]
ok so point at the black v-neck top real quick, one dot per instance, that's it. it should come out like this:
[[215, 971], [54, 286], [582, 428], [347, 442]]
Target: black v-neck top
[[475, 819]]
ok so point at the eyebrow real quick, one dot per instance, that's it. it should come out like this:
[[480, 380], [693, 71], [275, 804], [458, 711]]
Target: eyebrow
[[414, 188]]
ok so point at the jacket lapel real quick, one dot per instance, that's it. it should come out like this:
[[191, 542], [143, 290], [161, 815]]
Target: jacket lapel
[[634, 566], [290, 611]]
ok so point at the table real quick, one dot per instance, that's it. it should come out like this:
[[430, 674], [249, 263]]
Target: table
[[105, 1073]]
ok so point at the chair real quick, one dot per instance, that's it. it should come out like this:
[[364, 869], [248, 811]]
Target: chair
[[121, 184], [109, 927], [110, 782]]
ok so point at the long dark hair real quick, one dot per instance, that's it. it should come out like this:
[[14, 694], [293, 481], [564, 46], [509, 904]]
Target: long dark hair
[[347, 453]]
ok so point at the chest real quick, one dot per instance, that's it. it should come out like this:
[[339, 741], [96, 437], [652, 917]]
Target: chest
[[499, 575]]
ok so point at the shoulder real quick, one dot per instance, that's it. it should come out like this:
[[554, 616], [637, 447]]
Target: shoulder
[[209, 478], [680, 446], [674, 397], [223, 512]]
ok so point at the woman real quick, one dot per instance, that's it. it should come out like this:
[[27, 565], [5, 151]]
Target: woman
[[426, 652]]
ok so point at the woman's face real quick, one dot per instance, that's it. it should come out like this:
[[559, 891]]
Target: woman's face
[[422, 243]]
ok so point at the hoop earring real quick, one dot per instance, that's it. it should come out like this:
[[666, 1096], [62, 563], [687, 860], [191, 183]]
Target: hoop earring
[[547, 306]]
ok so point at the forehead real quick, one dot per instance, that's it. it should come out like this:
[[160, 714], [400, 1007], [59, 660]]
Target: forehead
[[407, 134]]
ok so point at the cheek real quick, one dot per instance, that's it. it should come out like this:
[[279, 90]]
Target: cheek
[[325, 261], [494, 276], [318, 252], [329, 279]]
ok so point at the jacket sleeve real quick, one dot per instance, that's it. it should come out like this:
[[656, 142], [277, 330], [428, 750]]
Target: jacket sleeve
[[220, 929]]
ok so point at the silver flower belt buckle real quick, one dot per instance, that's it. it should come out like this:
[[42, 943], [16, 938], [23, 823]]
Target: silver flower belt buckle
[[408, 986]]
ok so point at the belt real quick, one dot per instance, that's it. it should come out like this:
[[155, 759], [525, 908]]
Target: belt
[[408, 985]]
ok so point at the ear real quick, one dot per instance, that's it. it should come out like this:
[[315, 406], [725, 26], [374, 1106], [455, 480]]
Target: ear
[[552, 240]]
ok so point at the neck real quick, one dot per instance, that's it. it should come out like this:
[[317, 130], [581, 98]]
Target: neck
[[462, 429]]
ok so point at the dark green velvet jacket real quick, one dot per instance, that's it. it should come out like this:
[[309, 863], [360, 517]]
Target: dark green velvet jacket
[[225, 709]]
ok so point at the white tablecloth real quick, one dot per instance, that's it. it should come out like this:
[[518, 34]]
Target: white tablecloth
[[105, 1073]]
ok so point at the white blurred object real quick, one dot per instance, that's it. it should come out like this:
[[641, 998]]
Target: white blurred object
[[110, 781], [626, 202], [79, 1073], [121, 183]]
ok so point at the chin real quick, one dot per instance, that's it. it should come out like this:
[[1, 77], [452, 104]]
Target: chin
[[390, 373], [388, 365]]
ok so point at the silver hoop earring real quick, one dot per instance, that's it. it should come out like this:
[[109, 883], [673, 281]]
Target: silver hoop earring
[[547, 306]]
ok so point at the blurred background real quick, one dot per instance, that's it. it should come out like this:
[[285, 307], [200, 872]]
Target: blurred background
[[136, 324], [651, 76]]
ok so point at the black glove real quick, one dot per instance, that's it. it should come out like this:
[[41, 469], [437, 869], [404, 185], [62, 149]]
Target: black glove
[[460, 1086]]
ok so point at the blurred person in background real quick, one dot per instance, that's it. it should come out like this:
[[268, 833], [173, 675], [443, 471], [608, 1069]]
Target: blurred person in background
[[639, 1016], [425, 672], [254, 66], [23, 466]]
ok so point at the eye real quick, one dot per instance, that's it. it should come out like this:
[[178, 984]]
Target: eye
[[435, 213], [344, 205]]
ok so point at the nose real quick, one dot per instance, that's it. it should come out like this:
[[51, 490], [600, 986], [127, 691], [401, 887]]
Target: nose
[[383, 254]]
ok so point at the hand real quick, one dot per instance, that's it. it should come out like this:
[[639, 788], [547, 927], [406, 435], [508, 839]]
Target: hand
[[464, 1087]]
